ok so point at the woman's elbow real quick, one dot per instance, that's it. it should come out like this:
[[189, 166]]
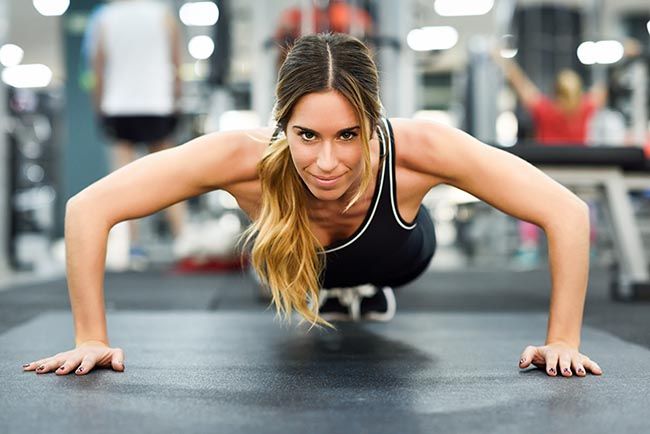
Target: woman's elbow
[[78, 207], [582, 208], [577, 213], [71, 204], [77, 201], [573, 213]]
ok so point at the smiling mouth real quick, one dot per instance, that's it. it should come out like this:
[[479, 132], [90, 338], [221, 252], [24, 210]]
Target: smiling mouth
[[326, 179]]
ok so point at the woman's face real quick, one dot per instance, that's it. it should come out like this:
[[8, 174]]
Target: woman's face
[[325, 143]]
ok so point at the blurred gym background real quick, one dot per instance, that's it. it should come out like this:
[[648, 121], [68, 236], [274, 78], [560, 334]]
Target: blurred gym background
[[436, 61]]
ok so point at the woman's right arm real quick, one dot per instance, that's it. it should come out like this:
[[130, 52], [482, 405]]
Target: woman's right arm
[[143, 187]]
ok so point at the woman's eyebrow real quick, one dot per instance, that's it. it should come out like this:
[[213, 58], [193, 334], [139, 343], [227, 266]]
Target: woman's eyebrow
[[338, 132]]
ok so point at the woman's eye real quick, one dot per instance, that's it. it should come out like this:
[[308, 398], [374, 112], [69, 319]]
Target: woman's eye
[[348, 135], [306, 135]]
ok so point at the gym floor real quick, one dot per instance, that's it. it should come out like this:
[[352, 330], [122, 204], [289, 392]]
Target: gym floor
[[203, 354]]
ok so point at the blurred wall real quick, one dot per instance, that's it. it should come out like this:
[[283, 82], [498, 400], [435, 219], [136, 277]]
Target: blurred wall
[[83, 157], [39, 36], [4, 158]]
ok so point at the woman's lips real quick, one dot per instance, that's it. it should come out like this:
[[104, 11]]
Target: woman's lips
[[326, 181]]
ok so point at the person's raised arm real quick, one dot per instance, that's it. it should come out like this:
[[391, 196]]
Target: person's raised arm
[[143, 187], [98, 65], [176, 54], [519, 189], [523, 86]]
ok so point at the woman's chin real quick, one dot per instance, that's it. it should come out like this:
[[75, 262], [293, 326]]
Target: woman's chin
[[325, 194]]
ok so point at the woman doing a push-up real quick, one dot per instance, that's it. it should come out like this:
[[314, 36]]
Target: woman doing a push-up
[[334, 193]]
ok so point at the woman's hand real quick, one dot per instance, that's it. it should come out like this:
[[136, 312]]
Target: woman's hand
[[86, 356], [568, 357]]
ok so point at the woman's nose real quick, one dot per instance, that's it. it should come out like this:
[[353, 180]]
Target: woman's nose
[[327, 161]]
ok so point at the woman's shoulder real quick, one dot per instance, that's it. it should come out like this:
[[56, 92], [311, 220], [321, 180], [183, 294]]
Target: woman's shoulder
[[258, 135], [226, 158], [413, 128], [417, 142], [249, 146], [248, 150], [254, 141], [412, 136]]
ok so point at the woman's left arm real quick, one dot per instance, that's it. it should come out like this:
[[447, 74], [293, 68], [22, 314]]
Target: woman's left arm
[[519, 189]]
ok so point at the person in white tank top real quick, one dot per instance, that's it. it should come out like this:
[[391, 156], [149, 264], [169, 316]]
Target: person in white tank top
[[136, 61], [139, 72]]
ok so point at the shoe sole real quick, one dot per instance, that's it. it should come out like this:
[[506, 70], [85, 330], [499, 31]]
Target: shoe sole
[[390, 310], [335, 316], [372, 316], [332, 316]]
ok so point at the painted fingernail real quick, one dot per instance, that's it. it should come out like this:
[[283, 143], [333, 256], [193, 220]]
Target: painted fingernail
[[40, 368], [552, 371], [521, 362], [25, 365], [61, 368], [581, 371], [566, 371]]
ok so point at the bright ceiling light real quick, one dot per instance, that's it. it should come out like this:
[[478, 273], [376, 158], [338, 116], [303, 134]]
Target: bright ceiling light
[[587, 53], [201, 47], [509, 53], [648, 26], [602, 52], [51, 8], [24, 76], [200, 69], [432, 38], [11, 55], [458, 8], [609, 52], [199, 14], [508, 46], [506, 128]]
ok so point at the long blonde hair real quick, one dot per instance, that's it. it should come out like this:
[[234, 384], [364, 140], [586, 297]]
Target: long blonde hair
[[568, 90], [285, 253]]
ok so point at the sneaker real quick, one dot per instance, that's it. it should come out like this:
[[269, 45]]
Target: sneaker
[[331, 306], [380, 306], [359, 302]]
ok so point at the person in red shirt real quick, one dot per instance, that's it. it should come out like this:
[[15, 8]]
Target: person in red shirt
[[336, 16], [558, 121], [563, 119]]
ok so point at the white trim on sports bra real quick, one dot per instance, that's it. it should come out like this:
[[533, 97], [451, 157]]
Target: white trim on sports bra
[[393, 191]]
